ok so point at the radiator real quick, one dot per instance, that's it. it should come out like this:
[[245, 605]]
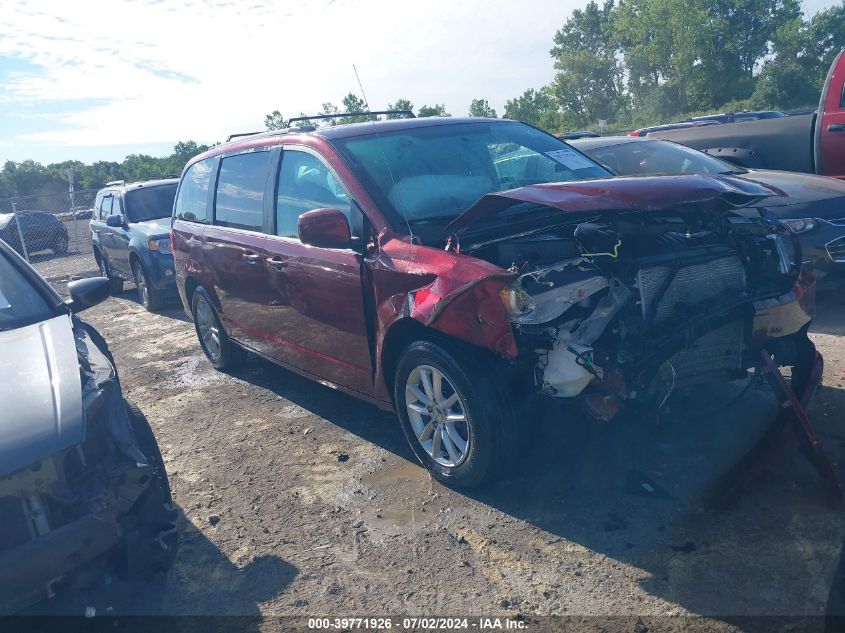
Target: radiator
[[691, 285], [719, 350]]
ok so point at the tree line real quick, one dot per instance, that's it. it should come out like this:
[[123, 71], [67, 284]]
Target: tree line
[[630, 62], [642, 62], [30, 178]]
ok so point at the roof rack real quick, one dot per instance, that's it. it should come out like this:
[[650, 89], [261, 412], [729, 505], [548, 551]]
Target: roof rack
[[231, 136], [115, 183], [406, 113]]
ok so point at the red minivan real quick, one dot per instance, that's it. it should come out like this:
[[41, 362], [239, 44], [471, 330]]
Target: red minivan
[[457, 269]]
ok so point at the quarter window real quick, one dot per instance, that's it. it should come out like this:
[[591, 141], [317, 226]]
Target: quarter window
[[105, 209], [305, 183], [240, 191], [192, 200]]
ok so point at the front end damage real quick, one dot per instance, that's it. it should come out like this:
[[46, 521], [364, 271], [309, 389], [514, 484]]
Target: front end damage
[[102, 501], [623, 301]]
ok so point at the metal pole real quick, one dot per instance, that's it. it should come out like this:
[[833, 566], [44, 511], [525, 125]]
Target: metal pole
[[20, 233], [73, 209]]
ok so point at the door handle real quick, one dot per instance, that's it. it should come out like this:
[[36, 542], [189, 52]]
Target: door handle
[[251, 258], [836, 127], [277, 263]]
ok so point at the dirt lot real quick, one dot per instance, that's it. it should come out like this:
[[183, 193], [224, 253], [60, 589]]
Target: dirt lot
[[299, 500]]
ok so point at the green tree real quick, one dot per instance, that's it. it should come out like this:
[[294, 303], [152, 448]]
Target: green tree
[[438, 109], [589, 81], [351, 103], [275, 121], [26, 178], [537, 107], [803, 52], [401, 104], [480, 108]]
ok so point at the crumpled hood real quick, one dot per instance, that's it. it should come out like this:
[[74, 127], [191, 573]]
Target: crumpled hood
[[41, 409], [639, 193], [157, 228]]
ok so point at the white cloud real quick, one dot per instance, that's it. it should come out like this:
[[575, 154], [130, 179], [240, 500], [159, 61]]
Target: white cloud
[[205, 68]]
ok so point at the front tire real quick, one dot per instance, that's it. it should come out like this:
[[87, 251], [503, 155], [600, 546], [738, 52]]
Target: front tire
[[455, 413], [147, 295], [218, 347], [151, 526]]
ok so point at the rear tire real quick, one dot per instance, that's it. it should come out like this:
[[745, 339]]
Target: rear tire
[[60, 243], [470, 410], [115, 283], [218, 347], [147, 295]]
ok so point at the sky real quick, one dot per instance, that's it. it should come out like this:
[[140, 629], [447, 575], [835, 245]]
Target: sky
[[90, 80]]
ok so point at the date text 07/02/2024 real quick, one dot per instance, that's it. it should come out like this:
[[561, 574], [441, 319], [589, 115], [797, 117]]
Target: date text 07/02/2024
[[418, 624]]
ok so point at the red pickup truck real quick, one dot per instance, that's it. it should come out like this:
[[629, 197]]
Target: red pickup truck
[[809, 143]]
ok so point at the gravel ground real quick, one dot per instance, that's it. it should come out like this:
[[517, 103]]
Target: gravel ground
[[299, 500]]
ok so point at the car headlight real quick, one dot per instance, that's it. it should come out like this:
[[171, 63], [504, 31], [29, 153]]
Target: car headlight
[[801, 225], [517, 301], [161, 246]]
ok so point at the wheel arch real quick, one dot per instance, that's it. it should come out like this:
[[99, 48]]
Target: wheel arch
[[407, 330], [191, 285]]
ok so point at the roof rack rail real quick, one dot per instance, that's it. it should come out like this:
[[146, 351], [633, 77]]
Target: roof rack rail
[[231, 136], [115, 183], [407, 113]]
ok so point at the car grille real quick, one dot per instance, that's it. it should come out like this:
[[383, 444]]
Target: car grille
[[692, 285], [836, 249]]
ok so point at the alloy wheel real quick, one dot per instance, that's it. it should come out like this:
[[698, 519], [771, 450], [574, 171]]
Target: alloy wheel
[[438, 416], [207, 327]]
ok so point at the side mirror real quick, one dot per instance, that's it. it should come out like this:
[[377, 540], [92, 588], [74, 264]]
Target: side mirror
[[114, 221], [86, 293], [328, 228]]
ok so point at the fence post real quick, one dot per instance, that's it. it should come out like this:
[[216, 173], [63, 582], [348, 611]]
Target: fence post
[[20, 233], [73, 210]]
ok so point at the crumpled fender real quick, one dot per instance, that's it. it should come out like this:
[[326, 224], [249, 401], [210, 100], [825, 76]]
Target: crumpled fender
[[449, 292], [100, 380]]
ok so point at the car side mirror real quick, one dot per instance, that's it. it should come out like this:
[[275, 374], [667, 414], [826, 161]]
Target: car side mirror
[[114, 221], [86, 293], [328, 228]]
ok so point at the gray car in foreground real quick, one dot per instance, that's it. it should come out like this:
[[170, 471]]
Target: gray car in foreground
[[82, 482]]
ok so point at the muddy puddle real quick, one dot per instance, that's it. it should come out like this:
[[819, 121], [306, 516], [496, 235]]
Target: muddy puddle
[[398, 498]]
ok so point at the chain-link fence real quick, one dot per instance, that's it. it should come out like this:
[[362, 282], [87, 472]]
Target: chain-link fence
[[51, 231]]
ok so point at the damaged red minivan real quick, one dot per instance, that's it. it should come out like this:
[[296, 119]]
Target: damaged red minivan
[[454, 269]]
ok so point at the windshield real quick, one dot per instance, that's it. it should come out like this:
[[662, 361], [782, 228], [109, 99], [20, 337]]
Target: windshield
[[149, 203], [20, 303], [634, 158], [433, 174]]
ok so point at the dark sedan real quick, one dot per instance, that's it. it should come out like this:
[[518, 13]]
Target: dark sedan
[[814, 206], [41, 231]]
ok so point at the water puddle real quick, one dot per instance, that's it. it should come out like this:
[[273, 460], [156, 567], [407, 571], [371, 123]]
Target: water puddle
[[399, 498]]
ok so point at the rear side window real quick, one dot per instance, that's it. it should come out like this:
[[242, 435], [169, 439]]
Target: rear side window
[[239, 202], [192, 200], [105, 209]]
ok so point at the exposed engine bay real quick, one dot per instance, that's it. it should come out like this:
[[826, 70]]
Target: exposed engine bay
[[628, 306]]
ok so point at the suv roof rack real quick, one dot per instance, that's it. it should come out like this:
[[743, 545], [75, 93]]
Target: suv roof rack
[[239, 134], [406, 113]]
